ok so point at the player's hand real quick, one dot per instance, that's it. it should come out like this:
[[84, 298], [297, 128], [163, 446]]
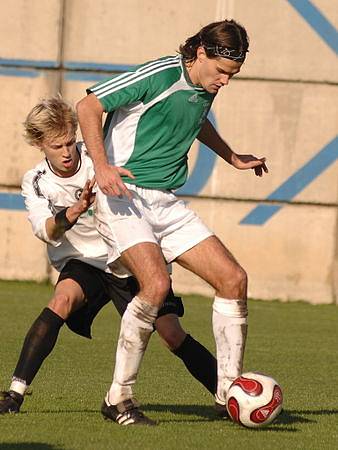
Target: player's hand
[[86, 199], [109, 180], [244, 162], [87, 196]]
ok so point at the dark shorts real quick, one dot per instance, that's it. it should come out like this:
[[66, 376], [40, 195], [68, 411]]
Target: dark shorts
[[99, 288]]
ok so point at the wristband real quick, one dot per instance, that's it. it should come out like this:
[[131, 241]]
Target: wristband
[[61, 220]]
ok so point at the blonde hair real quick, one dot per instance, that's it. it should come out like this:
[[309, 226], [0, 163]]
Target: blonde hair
[[50, 118]]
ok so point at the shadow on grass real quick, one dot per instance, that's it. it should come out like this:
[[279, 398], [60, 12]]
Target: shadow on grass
[[288, 417], [291, 417], [60, 411], [27, 446], [209, 415], [206, 412], [315, 412]]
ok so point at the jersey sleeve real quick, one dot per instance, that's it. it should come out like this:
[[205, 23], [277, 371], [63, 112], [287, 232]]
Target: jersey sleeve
[[121, 90], [38, 208]]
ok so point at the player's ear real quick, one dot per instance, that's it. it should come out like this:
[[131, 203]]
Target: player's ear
[[43, 144], [200, 54]]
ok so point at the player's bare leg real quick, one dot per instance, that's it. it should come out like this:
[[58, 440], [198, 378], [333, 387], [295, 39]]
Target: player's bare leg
[[146, 262], [215, 264], [169, 329], [40, 341]]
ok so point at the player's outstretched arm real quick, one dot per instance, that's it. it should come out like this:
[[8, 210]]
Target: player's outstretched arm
[[209, 136], [90, 111]]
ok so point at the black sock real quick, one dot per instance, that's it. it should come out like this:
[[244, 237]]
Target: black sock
[[199, 361], [38, 344]]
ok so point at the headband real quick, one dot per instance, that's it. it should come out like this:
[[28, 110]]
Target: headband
[[225, 52]]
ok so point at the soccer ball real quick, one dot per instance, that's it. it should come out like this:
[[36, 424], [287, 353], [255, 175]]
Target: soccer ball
[[254, 400]]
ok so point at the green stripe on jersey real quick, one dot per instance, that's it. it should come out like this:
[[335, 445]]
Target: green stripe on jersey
[[155, 115]]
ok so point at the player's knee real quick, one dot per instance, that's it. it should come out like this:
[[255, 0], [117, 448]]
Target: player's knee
[[158, 288], [234, 285], [163, 286], [241, 278], [62, 305]]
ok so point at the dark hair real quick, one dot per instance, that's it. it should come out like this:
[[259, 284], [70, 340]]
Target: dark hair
[[226, 33]]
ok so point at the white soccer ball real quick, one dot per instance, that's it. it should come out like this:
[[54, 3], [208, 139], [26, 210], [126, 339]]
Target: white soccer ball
[[254, 400]]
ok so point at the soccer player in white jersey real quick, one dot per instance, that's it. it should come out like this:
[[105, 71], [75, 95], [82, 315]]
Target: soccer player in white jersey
[[61, 215], [154, 114]]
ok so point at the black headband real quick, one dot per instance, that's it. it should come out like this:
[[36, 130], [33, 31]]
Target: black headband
[[225, 52]]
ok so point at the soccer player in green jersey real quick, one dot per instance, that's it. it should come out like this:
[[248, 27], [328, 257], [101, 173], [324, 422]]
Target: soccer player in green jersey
[[154, 114]]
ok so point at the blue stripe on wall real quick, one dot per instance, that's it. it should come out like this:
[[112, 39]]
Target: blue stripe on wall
[[29, 62], [85, 76], [260, 215], [80, 65], [11, 201], [295, 184], [71, 65], [306, 174], [317, 21], [11, 72]]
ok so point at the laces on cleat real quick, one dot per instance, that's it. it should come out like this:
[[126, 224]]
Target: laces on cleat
[[126, 413], [10, 402]]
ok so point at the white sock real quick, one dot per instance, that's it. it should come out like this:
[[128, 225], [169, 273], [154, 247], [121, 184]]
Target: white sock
[[136, 328], [18, 386], [229, 322]]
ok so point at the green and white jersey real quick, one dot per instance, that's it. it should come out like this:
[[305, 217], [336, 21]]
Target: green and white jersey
[[154, 115]]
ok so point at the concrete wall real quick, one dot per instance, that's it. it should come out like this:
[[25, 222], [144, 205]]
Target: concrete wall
[[283, 105]]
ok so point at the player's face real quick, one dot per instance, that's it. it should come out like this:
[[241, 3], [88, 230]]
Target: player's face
[[62, 154], [214, 73]]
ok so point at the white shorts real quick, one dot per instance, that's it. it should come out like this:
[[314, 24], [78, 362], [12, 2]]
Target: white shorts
[[152, 215]]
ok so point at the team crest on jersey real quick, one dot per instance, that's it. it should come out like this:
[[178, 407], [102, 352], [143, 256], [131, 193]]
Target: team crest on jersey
[[78, 193], [193, 98]]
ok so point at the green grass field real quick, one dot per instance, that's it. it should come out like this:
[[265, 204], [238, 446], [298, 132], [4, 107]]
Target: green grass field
[[295, 343]]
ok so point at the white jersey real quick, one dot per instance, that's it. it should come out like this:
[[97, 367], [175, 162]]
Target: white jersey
[[46, 194]]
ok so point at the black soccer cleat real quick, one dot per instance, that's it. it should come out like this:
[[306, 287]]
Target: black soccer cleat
[[125, 413], [221, 410], [10, 402]]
